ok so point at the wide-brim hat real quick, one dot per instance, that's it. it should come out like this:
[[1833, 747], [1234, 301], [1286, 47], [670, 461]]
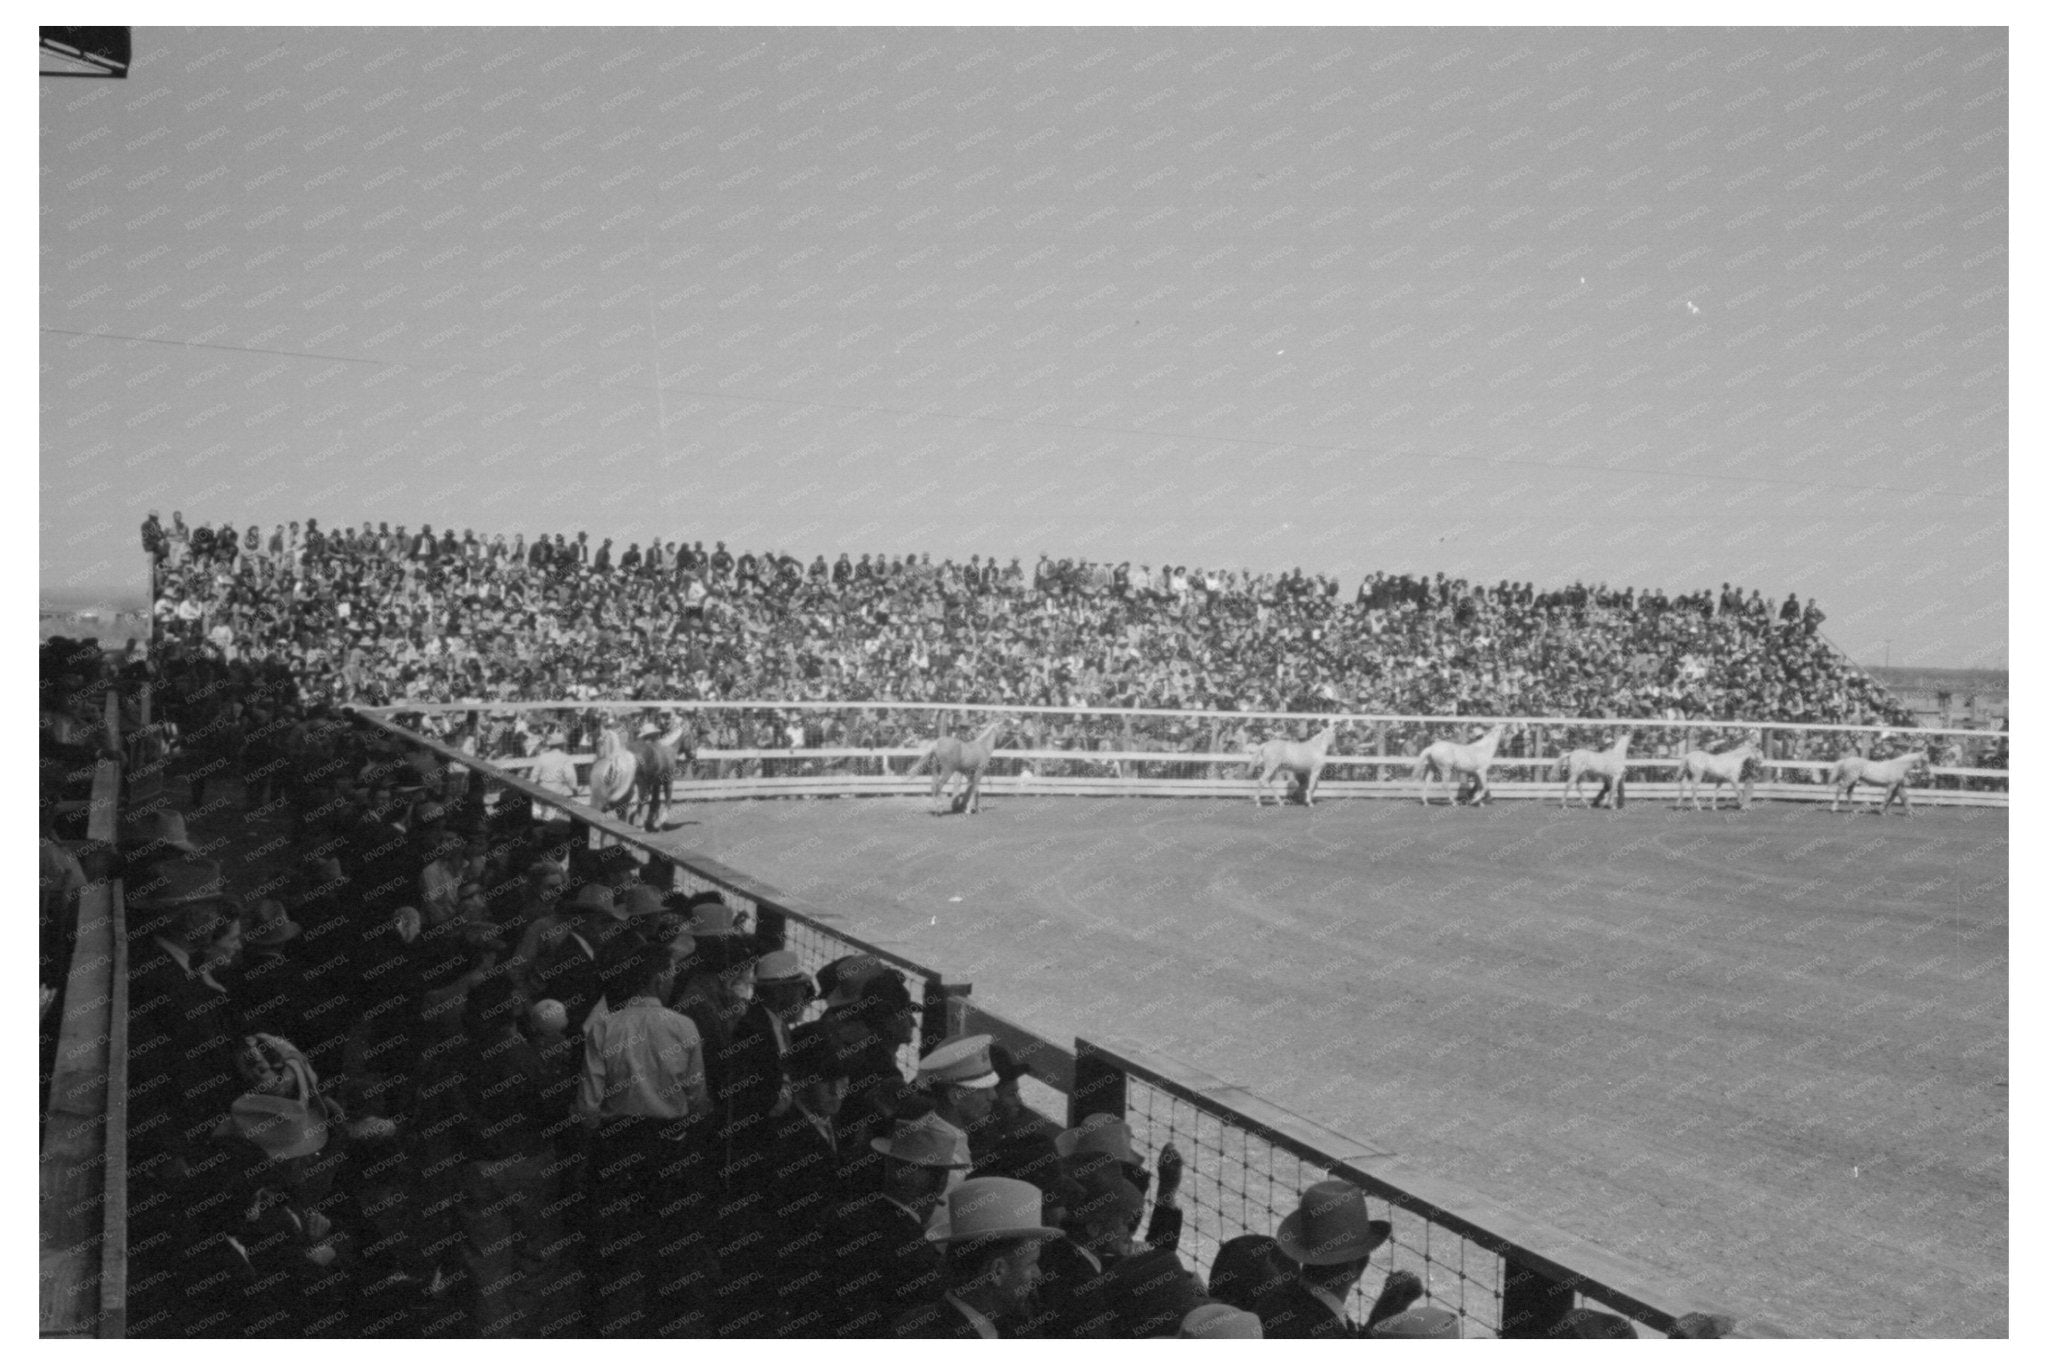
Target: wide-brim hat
[[963, 1062], [1424, 1322], [594, 898], [712, 918], [147, 831], [1098, 1135], [642, 901], [1154, 1293], [780, 968], [926, 1140], [283, 1127], [180, 881], [270, 925], [843, 978], [1218, 1321], [995, 1208], [1331, 1226]]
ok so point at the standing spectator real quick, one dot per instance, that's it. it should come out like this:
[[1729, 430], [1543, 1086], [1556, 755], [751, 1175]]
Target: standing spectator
[[513, 1243], [1329, 1239], [991, 1263], [883, 1263], [643, 1092]]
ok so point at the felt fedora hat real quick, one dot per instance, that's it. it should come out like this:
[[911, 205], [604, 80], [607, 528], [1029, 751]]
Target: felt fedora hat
[[926, 1140], [995, 1207], [181, 881], [1331, 1227], [148, 831], [1424, 1322], [282, 1126], [1098, 1135]]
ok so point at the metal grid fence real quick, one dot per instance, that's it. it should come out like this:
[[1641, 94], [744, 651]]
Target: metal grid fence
[[1239, 1182]]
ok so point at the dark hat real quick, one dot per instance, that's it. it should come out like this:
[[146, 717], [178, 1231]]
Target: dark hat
[[179, 881], [145, 832], [1331, 1227], [1008, 1068], [1153, 1292]]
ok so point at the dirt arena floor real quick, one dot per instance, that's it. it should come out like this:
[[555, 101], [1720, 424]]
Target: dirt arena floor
[[1762, 1054]]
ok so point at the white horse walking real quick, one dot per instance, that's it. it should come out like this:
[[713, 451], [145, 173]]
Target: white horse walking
[[969, 758], [1891, 775], [1610, 765], [1730, 767], [1455, 762], [1304, 760]]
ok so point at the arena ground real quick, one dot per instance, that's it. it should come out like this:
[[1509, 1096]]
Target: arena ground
[[1764, 1054]]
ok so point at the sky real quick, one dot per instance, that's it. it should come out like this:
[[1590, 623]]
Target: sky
[[1662, 308]]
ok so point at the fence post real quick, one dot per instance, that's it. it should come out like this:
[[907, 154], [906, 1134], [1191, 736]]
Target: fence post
[[1531, 1303], [1099, 1086], [940, 1013]]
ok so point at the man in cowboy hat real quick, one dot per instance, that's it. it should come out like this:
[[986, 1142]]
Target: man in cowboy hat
[[996, 1230], [1329, 1239], [882, 1263]]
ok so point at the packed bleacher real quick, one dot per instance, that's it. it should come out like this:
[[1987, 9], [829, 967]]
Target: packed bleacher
[[405, 1061], [373, 615]]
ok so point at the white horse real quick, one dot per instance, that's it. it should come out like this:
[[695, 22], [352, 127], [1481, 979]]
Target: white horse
[[1730, 767], [1609, 765], [612, 775], [1285, 755], [1449, 760], [969, 758], [1891, 775]]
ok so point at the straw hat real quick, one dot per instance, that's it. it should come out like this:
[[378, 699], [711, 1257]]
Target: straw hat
[[1331, 1226], [962, 1062], [995, 1207]]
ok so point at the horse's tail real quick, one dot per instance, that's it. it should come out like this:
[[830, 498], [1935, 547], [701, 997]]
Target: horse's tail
[[1422, 762], [924, 760]]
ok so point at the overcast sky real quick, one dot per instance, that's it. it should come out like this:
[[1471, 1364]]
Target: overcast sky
[[1663, 308]]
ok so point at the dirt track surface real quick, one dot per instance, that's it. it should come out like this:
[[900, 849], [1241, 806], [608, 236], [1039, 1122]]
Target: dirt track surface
[[1762, 1054]]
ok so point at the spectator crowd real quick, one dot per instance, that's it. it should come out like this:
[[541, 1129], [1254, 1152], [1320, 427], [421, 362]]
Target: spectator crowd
[[406, 1061], [376, 614]]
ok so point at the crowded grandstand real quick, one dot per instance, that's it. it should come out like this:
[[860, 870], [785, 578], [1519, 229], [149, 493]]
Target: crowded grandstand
[[408, 1059]]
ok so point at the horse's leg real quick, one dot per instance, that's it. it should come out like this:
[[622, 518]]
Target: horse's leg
[[1308, 787]]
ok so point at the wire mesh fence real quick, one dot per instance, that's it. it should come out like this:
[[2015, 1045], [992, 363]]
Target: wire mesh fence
[[1238, 1182]]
